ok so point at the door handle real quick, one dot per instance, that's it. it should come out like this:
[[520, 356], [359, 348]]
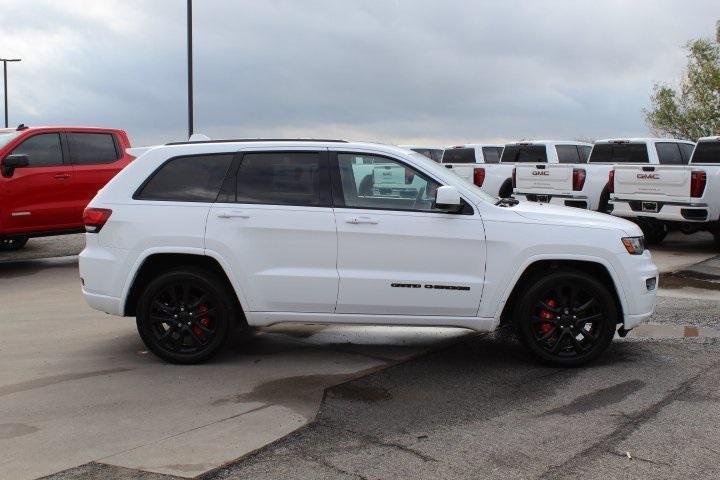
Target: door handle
[[233, 214], [363, 219], [448, 166], [61, 176]]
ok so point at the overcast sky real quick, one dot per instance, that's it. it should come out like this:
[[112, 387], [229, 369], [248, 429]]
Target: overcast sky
[[438, 72]]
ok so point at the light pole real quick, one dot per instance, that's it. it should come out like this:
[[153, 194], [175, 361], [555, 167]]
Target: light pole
[[190, 68], [5, 85]]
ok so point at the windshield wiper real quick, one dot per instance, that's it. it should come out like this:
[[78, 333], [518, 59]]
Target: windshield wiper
[[507, 202]]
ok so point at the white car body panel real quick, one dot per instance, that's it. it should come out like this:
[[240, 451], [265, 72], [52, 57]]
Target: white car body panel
[[466, 171], [309, 264]]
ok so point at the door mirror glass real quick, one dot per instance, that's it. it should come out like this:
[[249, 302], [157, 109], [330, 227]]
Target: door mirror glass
[[447, 198], [14, 161]]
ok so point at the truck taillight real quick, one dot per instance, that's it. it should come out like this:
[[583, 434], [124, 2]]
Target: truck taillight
[[95, 218], [611, 181], [698, 179], [514, 178], [479, 176], [578, 179]]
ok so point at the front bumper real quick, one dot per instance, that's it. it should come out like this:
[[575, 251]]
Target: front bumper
[[640, 286]]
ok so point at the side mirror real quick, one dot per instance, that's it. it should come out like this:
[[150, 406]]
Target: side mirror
[[448, 198], [12, 162]]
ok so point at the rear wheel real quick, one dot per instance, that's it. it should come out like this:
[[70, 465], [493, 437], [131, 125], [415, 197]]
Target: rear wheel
[[186, 315], [566, 318], [11, 244], [506, 190]]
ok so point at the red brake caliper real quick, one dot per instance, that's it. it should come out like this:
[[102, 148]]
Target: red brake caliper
[[545, 327], [204, 320]]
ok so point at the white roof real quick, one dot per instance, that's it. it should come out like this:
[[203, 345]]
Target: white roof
[[709, 139], [549, 142], [429, 147], [642, 140]]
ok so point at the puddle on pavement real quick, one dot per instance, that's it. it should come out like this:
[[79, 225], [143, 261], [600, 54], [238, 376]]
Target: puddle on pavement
[[672, 331]]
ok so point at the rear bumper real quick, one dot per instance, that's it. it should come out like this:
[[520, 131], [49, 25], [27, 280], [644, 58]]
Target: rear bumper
[[566, 200], [671, 212]]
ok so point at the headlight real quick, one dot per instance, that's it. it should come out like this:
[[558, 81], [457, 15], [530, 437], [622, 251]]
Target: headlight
[[634, 245]]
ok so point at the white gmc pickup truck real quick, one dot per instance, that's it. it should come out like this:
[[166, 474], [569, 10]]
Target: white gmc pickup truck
[[473, 161], [550, 172], [671, 191], [201, 240]]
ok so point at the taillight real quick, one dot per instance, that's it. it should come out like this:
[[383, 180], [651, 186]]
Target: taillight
[[578, 179], [95, 218], [611, 181], [514, 178], [479, 176], [698, 179]]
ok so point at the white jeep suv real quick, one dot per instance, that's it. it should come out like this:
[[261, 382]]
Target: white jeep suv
[[202, 239]]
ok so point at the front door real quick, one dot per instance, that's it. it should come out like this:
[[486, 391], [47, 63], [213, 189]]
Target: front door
[[38, 197], [397, 253], [277, 229]]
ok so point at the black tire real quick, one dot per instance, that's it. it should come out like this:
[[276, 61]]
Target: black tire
[[566, 318], [654, 231], [716, 236], [12, 244], [186, 315], [604, 202], [506, 190]]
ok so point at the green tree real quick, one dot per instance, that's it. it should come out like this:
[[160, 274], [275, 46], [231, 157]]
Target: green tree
[[693, 110]]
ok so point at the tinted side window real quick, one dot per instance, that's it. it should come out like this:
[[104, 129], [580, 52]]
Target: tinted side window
[[383, 183], [459, 155], [524, 154], [492, 154], [42, 150], [619, 153], [668, 153], [584, 152], [707, 152], [567, 154], [187, 179], [686, 150], [89, 148], [284, 178]]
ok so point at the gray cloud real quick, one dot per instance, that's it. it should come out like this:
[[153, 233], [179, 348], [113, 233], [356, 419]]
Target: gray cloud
[[395, 71]]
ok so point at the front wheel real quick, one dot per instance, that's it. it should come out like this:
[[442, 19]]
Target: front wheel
[[566, 318], [186, 315], [12, 244]]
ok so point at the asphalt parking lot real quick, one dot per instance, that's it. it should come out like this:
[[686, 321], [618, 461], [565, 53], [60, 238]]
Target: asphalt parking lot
[[81, 397]]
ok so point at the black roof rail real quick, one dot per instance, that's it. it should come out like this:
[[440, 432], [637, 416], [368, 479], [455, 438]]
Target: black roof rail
[[22, 127], [259, 140]]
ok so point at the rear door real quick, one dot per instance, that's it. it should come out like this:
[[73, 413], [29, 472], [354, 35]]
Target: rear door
[[398, 254], [96, 158], [39, 196], [274, 224]]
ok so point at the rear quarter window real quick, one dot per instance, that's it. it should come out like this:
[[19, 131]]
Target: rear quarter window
[[187, 179], [706, 152], [619, 153], [524, 154], [492, 154], [459, 155], [92, 148], [669, 153]]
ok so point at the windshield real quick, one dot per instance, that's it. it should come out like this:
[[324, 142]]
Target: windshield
[[434, 167], [6, 137], [706, 152]]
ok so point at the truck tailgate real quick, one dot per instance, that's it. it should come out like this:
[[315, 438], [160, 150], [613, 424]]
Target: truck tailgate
[[657, 182], [543, 178]]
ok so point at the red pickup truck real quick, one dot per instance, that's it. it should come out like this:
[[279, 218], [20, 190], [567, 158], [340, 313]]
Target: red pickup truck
[[49, 174]]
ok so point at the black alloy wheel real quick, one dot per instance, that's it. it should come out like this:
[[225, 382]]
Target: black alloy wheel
[[185, 316], [567, 318]]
